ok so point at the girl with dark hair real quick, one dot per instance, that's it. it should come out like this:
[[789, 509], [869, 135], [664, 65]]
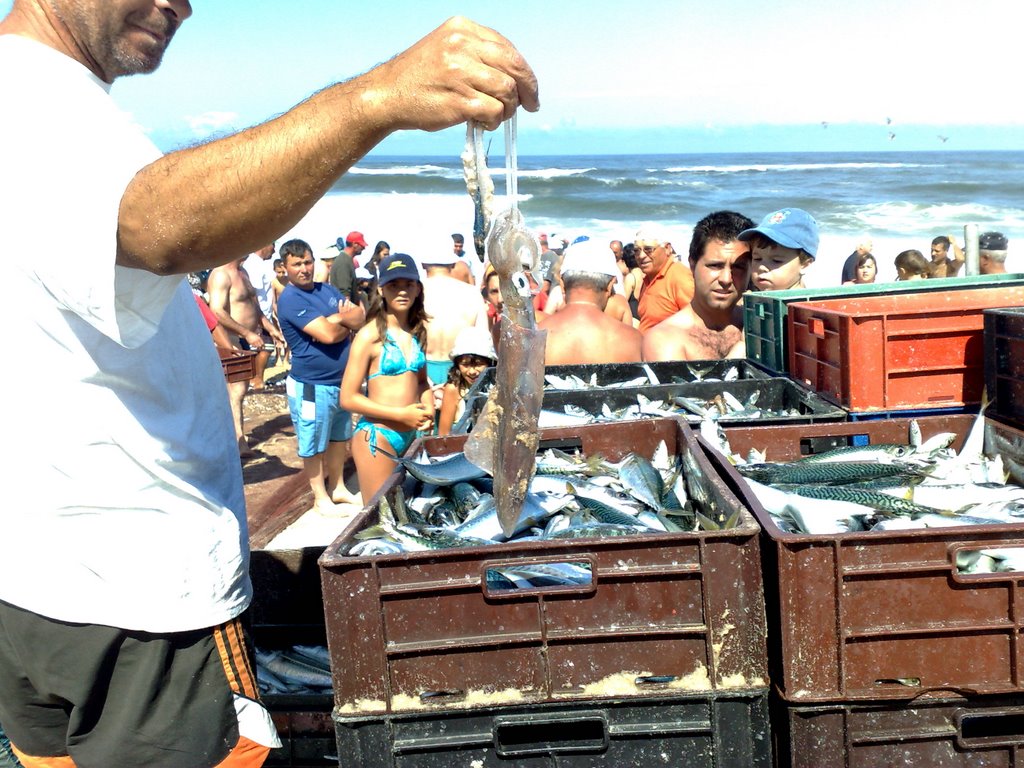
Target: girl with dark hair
[[387, 354], [866, 270]]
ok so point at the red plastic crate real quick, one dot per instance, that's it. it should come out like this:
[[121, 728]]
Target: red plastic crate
[[883, 353], [423, 631], [885, 614]]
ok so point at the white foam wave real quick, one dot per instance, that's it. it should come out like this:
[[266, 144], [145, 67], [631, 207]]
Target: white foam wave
[[764, 167], [907, 217], [402, 170]]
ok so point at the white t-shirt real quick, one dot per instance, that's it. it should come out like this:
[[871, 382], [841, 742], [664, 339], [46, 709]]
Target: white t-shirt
[[124, 500], [261, 275]]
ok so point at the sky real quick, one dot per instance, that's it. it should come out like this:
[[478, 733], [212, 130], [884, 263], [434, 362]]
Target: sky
[[665, 76]]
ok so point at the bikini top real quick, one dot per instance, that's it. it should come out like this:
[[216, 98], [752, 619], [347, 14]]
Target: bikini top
[[392, 359]]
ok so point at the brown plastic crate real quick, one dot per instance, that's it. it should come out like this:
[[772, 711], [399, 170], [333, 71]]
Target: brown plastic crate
[[422, 631], [949, 733], [883, 353], [852, 614], [238, 366]]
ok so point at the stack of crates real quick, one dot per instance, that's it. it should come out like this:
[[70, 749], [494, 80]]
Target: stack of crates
[[882, 652], [881, 350], [659, 659], [287, 609]]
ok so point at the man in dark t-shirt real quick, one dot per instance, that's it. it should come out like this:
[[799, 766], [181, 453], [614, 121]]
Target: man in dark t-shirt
[[318, 323]]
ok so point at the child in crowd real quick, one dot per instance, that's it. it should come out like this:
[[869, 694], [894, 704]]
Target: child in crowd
[[912, 265], [472, 353], [866, 270], [387, 353], [783, 245]]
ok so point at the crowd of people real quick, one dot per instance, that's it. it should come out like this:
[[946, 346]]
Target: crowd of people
[[396, 341]]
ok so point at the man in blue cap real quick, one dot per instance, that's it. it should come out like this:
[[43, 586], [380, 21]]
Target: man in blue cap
[[783, 245]]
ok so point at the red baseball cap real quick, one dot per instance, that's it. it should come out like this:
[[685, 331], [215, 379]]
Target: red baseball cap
[[356, 238]]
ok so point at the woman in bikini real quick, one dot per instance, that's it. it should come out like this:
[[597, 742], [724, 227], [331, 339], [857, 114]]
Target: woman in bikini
[[387, 354]]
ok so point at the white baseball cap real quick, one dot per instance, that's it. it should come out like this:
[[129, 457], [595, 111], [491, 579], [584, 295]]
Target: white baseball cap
[[473, 341], [590, 256]]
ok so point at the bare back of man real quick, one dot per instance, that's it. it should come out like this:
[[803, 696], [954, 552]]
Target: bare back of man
[[452, 305], [581, 334]]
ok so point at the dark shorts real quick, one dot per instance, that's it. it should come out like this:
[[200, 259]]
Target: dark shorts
[[111, 697]]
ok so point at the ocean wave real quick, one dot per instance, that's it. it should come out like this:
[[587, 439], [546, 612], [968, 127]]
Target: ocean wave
[[906, 217], [402, 170], [783, 167]]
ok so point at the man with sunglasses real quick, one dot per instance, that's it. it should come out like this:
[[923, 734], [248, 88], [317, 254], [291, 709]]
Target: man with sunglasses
[[667, 285]]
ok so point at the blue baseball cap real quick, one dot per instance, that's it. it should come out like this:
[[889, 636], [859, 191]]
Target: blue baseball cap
[[790, 228], [396, 267]]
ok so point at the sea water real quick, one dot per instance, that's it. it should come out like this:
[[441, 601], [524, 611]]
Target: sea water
[[900, 200]]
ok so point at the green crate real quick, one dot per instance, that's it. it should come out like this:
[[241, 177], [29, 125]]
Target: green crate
[[764, 314]]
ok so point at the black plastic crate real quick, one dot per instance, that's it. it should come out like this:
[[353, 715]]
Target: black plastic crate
[[694, 731], [773, 394], [607, 375], [1004, 363], [306, 730]]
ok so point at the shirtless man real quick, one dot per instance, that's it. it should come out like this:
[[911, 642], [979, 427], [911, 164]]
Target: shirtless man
[[261, 276], [233, 300], [711, 327], [580, 332], [451, 306], [942, 265]]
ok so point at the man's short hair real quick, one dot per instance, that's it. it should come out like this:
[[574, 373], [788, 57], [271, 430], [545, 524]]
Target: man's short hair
[[596, 281], [941, 240], [278, 261], [458, 238], [724, 226], [294, 247]]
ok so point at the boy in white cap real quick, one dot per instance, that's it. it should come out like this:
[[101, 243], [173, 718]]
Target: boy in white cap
[[581, 332]]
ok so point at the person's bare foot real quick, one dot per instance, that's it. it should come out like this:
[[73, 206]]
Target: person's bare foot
[[328, 508], [342, 496]]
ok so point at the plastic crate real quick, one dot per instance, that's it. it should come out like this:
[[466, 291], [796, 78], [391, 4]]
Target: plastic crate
[[1004, 362], [913, 413], [883, 353], [717, 730], [772, 394], [951, 733], [238, 366], [306, 729], [765, 313], [423, 631], [608, 374], [851, 615]]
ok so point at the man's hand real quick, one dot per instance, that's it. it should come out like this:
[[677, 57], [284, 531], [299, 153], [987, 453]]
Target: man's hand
[[461, 71]]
